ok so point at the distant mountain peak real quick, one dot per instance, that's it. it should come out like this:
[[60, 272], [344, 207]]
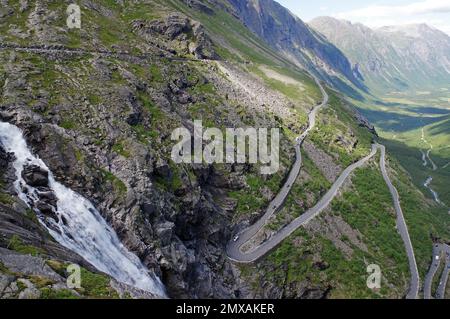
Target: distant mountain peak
[[402, 27], [401, 56], [412, 30], [284, 31], [338, 23]]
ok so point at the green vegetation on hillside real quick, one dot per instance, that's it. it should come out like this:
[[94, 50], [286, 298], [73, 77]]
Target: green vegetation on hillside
[[131, 115], [310, 256]]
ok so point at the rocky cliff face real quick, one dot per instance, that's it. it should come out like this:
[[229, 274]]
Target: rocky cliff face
[[112, 143], [97, 142], [288, 34], [99, 104]]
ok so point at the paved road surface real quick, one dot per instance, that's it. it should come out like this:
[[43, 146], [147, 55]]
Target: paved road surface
[[440, 252], [234, 248], [424, 158], [440, 294], [402, 229], [432, 272], [278, 201], [428, 153], [59, 49]]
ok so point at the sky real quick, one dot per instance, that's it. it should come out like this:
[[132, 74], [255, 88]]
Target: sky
[[376, 13]]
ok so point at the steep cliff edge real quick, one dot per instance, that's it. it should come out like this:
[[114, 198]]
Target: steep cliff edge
[[99, 104], [289, 35]]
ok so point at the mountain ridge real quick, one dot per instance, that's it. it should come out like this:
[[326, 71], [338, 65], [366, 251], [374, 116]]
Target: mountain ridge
[[111, 142], [391, 58], [292, 36]]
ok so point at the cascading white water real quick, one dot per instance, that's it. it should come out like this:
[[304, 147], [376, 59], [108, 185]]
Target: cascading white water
[[80, 227], [435, 194]]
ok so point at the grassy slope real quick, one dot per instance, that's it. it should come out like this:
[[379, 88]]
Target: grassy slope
[[236, 43], [347, 275], [368, 202], [399, 118]]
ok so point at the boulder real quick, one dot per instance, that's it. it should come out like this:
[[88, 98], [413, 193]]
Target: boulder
[[35, 176], [46, 209], [48, 196], [199, 6], [5, 281], [27, 265], [164, 232], [30, 292], [203, 47], [5, 158], [162, 169]]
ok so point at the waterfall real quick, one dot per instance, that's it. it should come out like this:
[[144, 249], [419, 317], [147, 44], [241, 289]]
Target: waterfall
[[77, 224], [435, 194]]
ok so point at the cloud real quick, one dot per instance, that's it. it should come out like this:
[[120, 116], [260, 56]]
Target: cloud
[[425, 11], [417, 8]]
